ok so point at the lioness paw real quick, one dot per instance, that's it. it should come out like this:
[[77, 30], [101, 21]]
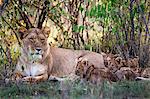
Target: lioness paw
[[29, 79]]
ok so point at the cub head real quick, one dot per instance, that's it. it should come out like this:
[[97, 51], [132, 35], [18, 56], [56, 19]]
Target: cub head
[[79, 69], [35, 43]]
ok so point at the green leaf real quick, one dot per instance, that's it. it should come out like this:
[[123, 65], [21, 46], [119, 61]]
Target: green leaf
[[99, 11], [113, 1], [103, 10], [142, 7], [109, 6], [114, 30], [81, 28], [87, 13], [81, 8], [88, 47], [75, 28], [93, 12]]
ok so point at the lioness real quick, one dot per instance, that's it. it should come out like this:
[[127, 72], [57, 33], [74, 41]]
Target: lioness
[[39, 60]]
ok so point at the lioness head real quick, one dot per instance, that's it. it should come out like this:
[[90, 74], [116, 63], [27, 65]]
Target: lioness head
[[35, 43]]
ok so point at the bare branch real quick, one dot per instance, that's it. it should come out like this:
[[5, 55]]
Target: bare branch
[[24, 16], [144, 19], [12, 30], [43, 14]]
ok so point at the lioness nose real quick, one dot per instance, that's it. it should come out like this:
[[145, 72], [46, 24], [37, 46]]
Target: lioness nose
[[76, 72], [84, 75], [38, 49]]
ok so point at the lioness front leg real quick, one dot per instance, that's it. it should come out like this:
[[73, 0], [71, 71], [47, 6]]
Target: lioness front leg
[[40, 78], [34, 79]]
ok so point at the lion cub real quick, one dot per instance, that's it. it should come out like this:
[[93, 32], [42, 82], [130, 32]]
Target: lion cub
[[91, 73]]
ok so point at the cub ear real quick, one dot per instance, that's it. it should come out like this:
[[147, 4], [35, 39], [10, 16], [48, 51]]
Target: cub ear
[[22, 32], [46, 31]]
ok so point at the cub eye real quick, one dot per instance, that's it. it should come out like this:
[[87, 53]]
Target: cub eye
[[31, 39]]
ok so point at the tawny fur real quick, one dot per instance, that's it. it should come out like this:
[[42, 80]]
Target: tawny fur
[[91, 73], [57, 62]]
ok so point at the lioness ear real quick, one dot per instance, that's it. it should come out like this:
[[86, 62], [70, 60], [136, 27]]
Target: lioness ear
[[22, 32], [46, 31]]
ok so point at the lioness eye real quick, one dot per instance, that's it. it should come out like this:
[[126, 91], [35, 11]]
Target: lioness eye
[[42, 39]]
